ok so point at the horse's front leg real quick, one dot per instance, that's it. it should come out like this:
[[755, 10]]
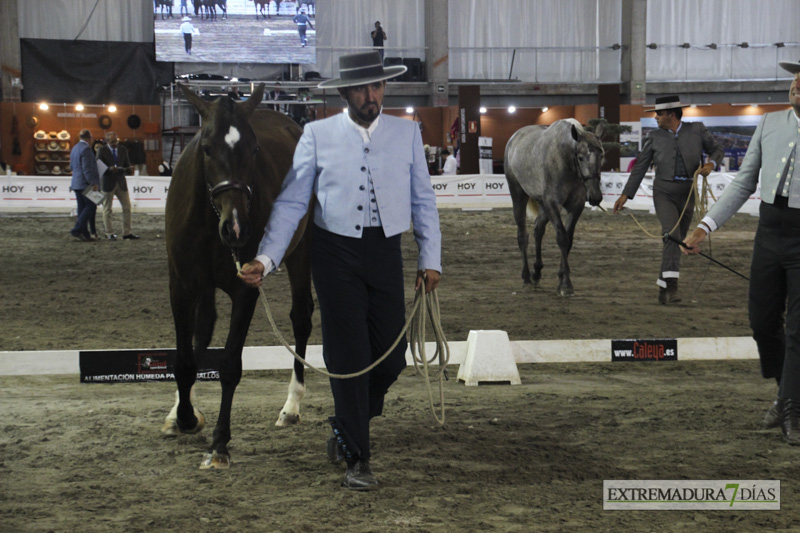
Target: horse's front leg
[[230, 374], [520, 201], [299, 267], [539, 225], [564, 240], [570, 223], [184, 417]]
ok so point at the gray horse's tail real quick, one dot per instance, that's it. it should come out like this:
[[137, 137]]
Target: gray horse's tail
[[533, 208]]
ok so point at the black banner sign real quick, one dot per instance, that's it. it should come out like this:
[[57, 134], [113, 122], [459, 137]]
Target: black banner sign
[[131, 366], [644, 350]]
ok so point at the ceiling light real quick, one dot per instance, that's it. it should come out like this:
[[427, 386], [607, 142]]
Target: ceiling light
[[483, 110], [43, 106], [112, 108], [79, 107], [512, 109], [409, 110], [544, 109]]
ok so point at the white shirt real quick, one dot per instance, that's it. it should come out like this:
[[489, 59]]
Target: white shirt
[[450, 165]]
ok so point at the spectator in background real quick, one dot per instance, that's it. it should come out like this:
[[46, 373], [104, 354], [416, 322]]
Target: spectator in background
[[378, 36], [450, 163], [114, 183], [84, 176]]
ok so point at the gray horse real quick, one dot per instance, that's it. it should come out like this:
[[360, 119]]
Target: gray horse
[[547, 169]]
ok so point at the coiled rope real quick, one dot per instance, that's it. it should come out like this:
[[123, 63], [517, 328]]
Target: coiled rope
[[425, 305]]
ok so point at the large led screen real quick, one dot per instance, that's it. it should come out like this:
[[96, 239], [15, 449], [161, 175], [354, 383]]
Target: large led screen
[[235, 31]]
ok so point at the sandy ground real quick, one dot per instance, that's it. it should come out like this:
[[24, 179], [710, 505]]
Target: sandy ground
[[509, 458]]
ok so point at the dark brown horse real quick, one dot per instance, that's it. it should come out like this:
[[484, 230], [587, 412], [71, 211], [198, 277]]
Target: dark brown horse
[[262, 7], [219, 200], [165, 5]]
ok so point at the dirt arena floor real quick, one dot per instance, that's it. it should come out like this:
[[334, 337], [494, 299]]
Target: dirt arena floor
[[521, 458]]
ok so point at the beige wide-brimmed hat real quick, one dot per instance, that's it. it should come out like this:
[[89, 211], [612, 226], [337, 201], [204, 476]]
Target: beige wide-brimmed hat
[[668, 102], [360, 69], [790, 66]]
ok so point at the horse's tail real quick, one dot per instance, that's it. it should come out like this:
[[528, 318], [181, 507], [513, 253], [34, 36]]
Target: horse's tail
[[533, 208]]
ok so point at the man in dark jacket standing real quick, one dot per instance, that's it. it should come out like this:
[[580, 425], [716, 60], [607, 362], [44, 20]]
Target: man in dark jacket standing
[[114, 183], [677, 149]]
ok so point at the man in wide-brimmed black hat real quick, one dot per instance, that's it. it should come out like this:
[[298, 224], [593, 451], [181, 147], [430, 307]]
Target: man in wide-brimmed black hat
[[676, 148], [775, 270], [369, 175]]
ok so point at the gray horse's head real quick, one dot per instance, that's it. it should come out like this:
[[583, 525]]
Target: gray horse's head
[[589, 155], [227, 148]]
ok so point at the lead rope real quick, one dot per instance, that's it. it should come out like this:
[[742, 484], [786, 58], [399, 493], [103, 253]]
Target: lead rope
[[699, 206], [415, 325]]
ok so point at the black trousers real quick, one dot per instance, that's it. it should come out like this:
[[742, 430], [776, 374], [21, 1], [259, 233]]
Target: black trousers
[[187, 41], [774, 283], [359, 284]]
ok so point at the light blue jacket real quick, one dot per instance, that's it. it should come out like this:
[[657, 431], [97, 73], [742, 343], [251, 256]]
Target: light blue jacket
[[84, 167], [333, 162], [772, 143]]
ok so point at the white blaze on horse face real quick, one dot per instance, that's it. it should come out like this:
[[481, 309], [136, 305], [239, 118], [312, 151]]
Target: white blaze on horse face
[[232, 137], [236, 227]]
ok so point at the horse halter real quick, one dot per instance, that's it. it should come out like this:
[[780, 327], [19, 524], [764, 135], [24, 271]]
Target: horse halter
[[226, 185]]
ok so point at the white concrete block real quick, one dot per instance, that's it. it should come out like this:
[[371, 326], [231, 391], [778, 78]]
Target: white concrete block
[[489, 359]]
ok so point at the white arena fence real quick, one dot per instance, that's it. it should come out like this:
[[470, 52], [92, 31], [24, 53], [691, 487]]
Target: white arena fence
[[51, 194]]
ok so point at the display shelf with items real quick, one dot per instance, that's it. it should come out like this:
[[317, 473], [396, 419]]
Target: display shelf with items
[[51, 153]]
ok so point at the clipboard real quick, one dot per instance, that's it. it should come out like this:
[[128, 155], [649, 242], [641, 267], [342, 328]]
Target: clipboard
[[96, 197]]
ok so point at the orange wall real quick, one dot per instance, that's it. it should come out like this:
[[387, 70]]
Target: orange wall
[[57, 118]]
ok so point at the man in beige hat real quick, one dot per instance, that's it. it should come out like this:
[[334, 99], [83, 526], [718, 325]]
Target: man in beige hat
[[775, 268], [369, 175], [676, 148]]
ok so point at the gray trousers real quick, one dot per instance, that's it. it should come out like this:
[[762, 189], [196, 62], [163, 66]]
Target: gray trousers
[[669, 198]]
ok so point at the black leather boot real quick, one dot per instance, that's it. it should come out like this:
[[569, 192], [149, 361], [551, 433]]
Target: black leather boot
[[790, 424], [359, 476], [774, 415]]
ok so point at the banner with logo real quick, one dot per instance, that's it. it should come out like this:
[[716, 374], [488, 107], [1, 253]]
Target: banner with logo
[[644, 350], [134, 366], [464, 191]]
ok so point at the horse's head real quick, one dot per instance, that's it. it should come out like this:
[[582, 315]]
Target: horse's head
[[228, 146], [589, 155]]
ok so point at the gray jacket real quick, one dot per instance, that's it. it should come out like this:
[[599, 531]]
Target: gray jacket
[[660, 147], [768, 153]]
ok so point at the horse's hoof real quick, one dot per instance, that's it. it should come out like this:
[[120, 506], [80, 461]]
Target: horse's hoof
[[566, 292], [288, 419], [171, 428], [215, 461]]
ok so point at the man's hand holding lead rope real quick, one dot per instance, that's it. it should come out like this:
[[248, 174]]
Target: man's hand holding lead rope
[[431, 278], [252, 273]]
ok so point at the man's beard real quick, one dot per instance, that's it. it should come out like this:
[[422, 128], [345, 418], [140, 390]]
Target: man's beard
[[368, 113]]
